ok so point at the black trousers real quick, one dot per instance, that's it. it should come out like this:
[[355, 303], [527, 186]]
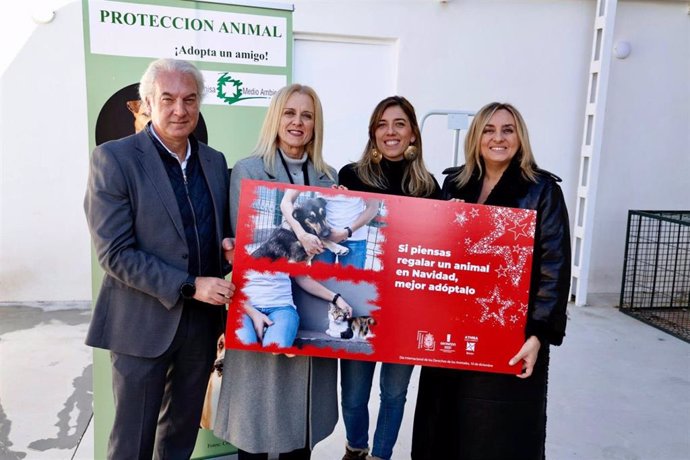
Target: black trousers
[[299, 454], [158, 401]]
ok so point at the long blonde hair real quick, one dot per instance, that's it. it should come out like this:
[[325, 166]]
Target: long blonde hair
[[473, 139], [417, 180], [267, 144]]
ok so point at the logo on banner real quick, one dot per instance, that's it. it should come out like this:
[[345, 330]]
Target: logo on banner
[[426, 341], [227, 80], [471, 344], [448, 345]]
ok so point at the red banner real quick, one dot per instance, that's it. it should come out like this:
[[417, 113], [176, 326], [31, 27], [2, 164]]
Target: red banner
[[430, 282]]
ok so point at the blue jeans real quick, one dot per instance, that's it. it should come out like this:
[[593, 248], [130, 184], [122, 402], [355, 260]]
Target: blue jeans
[[281, 333], [355, 382], [356, 257]]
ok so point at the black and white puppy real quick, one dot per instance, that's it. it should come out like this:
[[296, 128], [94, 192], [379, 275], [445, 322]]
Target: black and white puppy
[[283, 243]]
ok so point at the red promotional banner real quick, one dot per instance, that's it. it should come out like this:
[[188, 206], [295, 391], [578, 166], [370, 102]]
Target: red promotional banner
[[429, 282]]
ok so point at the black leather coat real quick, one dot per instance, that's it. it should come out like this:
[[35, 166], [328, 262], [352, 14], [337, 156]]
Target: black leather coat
[[551, 260], [471, 415]]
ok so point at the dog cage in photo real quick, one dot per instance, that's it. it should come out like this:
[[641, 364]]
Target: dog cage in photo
[[268, 216], [656, 270], [375, 238]]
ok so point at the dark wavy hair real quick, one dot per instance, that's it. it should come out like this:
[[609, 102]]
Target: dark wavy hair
[[417, 180]]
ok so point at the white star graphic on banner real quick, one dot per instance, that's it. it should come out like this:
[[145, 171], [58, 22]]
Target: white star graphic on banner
[[501, 218], [519, 230], [523, 309], [501, 271], [489, 310]]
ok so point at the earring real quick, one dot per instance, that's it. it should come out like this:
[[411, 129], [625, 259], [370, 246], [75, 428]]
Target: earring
[[375, 156], [410, 153]]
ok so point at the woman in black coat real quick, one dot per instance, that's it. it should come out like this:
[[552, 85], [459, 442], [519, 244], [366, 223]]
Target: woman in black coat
[[472, 415]]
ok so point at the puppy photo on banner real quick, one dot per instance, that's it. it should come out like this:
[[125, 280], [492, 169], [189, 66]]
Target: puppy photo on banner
[[277, 214], [328, 216]]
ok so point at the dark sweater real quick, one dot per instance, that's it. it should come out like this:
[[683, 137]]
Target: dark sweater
[[393, 171], [196, 207]]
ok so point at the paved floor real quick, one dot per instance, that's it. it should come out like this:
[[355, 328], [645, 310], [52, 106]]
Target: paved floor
[[619, 389]]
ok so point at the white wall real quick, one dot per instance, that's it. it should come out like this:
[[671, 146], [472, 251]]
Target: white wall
[[645, 161], [463, 54], [457, 55], [345, 121], [44, 243]]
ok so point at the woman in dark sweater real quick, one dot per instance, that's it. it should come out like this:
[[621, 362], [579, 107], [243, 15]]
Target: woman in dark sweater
[[469, 415], [392, 163]]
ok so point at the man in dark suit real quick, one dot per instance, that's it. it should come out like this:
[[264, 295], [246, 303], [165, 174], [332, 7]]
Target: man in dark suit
[[157, 208]]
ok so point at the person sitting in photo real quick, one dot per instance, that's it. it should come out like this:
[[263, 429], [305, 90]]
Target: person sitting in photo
[[271, 316]]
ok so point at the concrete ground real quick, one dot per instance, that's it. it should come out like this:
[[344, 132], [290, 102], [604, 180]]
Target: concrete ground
[[619, 389]]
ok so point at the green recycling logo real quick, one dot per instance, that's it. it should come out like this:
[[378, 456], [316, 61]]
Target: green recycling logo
[[226, 79]]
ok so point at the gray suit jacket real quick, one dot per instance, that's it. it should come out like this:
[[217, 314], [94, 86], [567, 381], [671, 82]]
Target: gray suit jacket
[[138, 235]]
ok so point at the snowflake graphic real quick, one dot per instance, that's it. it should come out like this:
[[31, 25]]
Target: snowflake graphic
[[474, 212], [460, 218], [468, 241], [494, 307]]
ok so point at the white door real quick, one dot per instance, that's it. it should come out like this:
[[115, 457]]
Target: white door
[[350, 76]]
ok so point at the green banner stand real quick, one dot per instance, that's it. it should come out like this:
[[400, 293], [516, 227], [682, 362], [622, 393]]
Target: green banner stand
[[244, 50]]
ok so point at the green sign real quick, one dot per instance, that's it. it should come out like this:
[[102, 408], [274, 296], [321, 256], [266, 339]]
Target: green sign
[[244, 53]]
